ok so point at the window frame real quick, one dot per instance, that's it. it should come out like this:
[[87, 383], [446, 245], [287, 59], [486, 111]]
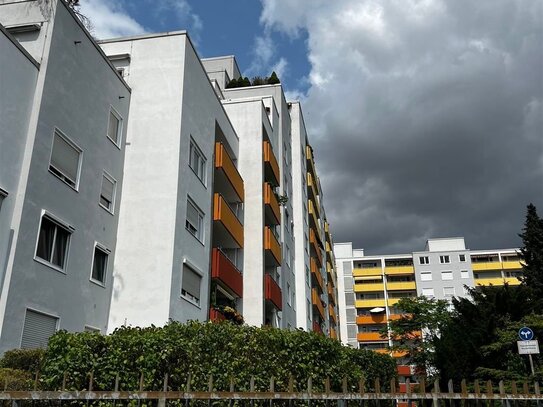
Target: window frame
[[201, 219], [197, 271], [426, 260], [61, 134], [444, 259], [449, 295], [447, 273], [193, 146], [433, 295], [462, 258], [464, 274], [115, 113], [107, 252], [59, 223], [426, 273], [37, 311], [114, 197]]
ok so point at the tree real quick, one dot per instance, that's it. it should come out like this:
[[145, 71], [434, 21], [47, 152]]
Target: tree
[[273, 79], [418, 329], [532, 252]]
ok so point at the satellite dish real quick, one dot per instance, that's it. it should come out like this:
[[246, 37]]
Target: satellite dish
[[377, 310]]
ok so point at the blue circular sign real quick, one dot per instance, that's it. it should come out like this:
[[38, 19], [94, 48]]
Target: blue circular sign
[[525, 334]]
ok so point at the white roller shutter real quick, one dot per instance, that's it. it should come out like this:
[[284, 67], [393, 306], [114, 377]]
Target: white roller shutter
[[37, 330]]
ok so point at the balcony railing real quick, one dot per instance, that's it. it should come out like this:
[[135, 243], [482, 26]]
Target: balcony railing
[[311, 186], [227, 172], [331, 293], [332, 313], [310, 161], [316, 272], [272, 205], [271, 168], [366, 272], [512, 265], [392, 270], [333, 333], [370, 336], [375, 319], [315, 249], [378, 302], [227, 222], [316, 301], [272, 246], [401, 285], [317, 327], [272, 292], [371, 287], [215, 315], [223, 270]]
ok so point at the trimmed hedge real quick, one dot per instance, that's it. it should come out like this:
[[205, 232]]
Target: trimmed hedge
[[28, 360], [223, 350]]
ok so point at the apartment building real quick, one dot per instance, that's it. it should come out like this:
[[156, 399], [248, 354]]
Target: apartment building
[[371, 286], [63, 109]]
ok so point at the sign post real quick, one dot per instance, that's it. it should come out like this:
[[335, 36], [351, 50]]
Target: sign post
[[527, 345]]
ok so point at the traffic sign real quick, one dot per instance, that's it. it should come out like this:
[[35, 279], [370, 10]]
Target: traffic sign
[[525, 334], [528, 347]]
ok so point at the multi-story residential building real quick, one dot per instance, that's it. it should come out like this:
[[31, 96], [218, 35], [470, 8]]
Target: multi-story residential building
[[372, 285], [63, 109]]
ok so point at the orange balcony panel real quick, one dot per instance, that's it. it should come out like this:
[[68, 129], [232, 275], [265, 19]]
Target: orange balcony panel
[[403, 389], [227, 173], [316, 272], [316, 301], [333, 333], [331, 293], [315, 249], [404, 370], [309, 157], [215, 315], [272, 292], [317, 328], [332, 313], [271, 168], [223, 270], [311, 186], [227, 229], [271, 204], [375, 319], [369, 336], [272, 247]]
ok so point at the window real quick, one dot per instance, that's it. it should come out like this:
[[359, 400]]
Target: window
[[446, 275], [448, 291], [444, 259], [464, 274], [190, 285], [99, 264], [426, 276], [37, 329], [91, 329], [197, 161], [65, 159], [114, 126], [195, 221], [107, 193], [3, 195], [306, 242], [428, 292], [288, 294], [462, 257], [53, 240], [424, 260]]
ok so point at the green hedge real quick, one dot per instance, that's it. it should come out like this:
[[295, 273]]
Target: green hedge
[[28, 360], [223, 350]]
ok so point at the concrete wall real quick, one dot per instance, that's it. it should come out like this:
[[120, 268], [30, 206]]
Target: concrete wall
[[221, 69], [78, 88]]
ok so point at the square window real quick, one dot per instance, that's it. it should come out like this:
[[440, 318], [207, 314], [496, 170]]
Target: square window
[[107, 193], [53, 240], [428, 292], [424, 260], [464, 274], [426, 276], [114, 127], [462, 257], [99, 265], [195, 221], [37, 329], [190, 284], [197, 161], [448, 291], [65, 159], [444, 259], [446, 275]]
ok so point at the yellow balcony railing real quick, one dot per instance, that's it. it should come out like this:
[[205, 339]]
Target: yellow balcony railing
[[311, 186], [498, 281], [394, 270], [401, 285], [512, 265], [362, 287], [512, 280], [315, 271], [380, 302], [310, 161], [331, 293], [316, 301], [366, 272], [370, 336], [333, 333], [393, 301], [494, 265], [223, 215]]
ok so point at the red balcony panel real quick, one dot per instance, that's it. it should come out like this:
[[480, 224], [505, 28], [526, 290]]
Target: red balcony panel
[[404, 370], [226, 272], [215, 315], [272, 292], [317, 327]]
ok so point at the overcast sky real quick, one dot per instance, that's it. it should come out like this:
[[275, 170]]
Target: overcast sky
[[426, 116]]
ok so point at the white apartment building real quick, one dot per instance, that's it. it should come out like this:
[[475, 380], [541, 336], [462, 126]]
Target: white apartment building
[[63, 109]]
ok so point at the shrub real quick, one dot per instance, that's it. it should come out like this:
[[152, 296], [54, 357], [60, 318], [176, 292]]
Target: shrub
[[257, 80], [28, 360], [273, 79], [14, 379]]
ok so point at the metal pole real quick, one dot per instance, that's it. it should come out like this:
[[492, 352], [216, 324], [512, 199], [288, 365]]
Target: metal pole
[[531, 363]]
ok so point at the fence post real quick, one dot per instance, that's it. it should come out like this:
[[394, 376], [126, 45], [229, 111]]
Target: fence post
[[290, 388], [361, 390], [377, 391], [407, 391], [327, 390], [272, 389], [435, 393], [64, 379], [162, 400], [252, 389], [117, 382], [141, 381], [187, 389], [345, 387], [231, 401], [36, 378]]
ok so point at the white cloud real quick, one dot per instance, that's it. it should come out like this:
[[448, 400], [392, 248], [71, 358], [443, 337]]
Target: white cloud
[[182, 10], [109, 20]]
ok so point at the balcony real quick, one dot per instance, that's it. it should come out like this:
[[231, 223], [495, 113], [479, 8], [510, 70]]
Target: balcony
[[375, 319], [315, 249], [367, 272], [215, 315], [310, 161], [379, 302], [497, 281], [227, 178], [227, 229], [332, 313], [372, 287], [333, 333], [331, 293], [512, 280], [401, 285], [272, 292], [317, 328], [404, 370], [512, 265], [271, 168], [315, 272], [328, 247], [316, 301], [396, 270], [315, 208], [393, 301], [370, 336], [271, 205], [224, 271], [311, 186], [313, 216], [272, 248], [493, 265]]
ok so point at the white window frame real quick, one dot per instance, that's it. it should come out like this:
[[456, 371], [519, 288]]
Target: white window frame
[[61, 134], [444, 259], [104, 249], [203, 161], [424, 260], [464, 274], [425, 274], [115, 113], [192, 266], [114, 197], [427, 295], [462, 258], [92, 329], [200, 236], [449, 295], [49, 314], [62, 224], [448, 273]]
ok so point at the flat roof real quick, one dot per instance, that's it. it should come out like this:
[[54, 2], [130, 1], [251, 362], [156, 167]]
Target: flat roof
[[143, 36]]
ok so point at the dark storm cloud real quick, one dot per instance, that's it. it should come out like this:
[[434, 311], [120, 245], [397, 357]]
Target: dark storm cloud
[[426, 117]]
